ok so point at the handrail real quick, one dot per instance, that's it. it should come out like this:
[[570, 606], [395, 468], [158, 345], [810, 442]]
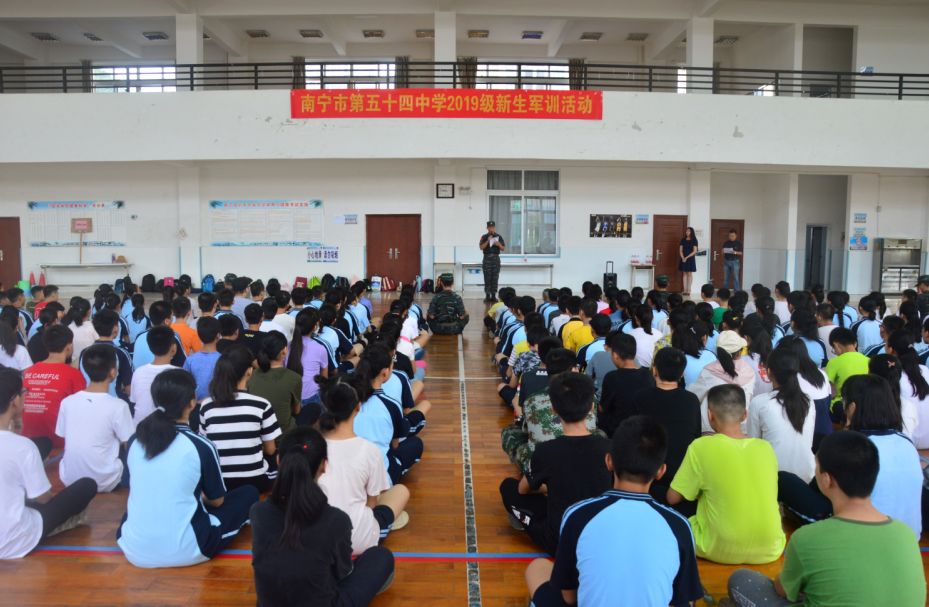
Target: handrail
[[482, 75]]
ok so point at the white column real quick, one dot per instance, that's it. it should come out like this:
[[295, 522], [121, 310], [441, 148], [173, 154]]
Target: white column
[[700, 51], [793, 192], [445, 46], [794, 82], [445, 212], [863, 197], [698, 211], [188, 222], [188, 38]]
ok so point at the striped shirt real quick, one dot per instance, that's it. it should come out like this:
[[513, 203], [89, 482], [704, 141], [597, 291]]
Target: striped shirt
[[238, 430]]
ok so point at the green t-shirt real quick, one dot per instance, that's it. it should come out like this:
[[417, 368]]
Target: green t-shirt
[[837, 562], [844, 366], [735, 484], [281, 387], [718, 315]]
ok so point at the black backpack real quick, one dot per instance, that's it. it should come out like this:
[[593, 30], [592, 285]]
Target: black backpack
[[148, 283], [428, 286], [342, 282], [327, 281]]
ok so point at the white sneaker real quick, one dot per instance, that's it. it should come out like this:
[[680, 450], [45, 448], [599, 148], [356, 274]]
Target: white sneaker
[[75, 521], [400, 522]]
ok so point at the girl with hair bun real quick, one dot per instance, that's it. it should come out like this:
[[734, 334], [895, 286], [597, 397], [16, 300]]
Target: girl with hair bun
[[356, 481]]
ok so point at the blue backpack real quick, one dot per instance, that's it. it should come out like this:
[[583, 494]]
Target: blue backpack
[[208, 283]]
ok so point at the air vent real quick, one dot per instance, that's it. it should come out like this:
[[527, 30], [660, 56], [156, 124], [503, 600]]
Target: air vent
[[257, 33], [478, 33], [372, 33], [425, 33], [206, 36], [311, 33], [155, 35], [726, 40], [637, 37], [93, 37], [44, 36], [592, 36], [532, 35]]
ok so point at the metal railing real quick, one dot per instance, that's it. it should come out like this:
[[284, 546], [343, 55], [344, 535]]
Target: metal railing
[[480, 75]]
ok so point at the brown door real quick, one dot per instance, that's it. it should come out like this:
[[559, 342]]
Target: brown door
[[667, 232], [393, 246], [719, 234], [11, 270]]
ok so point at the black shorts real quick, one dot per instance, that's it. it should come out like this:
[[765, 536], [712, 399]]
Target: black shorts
[[385, 518], [547, 596]]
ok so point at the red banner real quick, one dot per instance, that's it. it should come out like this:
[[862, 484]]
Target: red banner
[[447, 103]]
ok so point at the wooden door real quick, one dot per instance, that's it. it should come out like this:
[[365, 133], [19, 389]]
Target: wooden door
[[667, 232], [719, 234], [11, 270], [393, 246]]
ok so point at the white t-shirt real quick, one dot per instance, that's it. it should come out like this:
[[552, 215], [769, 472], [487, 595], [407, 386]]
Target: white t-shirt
[[915, 411], [272, 325], [288, 323], [19, 361], [713, 303], [22, 477], [645, 345], [782, 311], [93, 425], [762, 381], [354, 471], [558, 322], [84, 337], [410, 328], [824, 333], [767, 419], [140, 392]]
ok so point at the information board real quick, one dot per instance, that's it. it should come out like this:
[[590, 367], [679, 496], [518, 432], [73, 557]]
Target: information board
[[50, 223], [266, 223]]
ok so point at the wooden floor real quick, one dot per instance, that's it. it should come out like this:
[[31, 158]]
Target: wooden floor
[[84, 567]]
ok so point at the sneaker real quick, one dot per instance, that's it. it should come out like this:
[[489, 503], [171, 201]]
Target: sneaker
[[75, 521], [400, 522], [387, 584], [514, 522]]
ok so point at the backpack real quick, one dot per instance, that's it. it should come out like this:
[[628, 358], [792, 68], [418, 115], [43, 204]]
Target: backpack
[[119, 287], [375, 282], [388, 284], [428, 286], [148, 284], [327, 281], [342, 282], [208, 283], [314, 282]]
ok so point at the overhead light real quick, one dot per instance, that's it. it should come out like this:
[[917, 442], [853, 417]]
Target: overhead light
[[425, 33], [532, 35], [592, 36], [311, 33], [726, 40], [372, 33], [478, 33], [636, 37], [93, 37], [44, 36], [257, 33], [155, 35]]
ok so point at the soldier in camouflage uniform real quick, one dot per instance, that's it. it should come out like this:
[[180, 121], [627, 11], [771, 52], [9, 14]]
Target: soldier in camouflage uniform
[[492, 244], [447, 314]]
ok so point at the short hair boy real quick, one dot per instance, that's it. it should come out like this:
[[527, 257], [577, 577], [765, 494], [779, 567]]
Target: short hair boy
[[621, 384], [163, 344]]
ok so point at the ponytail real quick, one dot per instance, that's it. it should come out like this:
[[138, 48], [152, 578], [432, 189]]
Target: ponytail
[[902, 345], [340, 399], [8, 341], [760, 344], [304, 325], [172, 392], [839, 300], [688, 337], [808, 369], [909, 312], [77, 313], [726, 362], [231, 367], [643, 317], [373, 362], [138, 307], [867, 306], [295, 491], [764, 306], [888, 367], [271, 347], [784, 367]]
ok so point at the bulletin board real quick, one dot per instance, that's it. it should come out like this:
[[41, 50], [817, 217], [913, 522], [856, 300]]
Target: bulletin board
[[266, 223], [49, 223]]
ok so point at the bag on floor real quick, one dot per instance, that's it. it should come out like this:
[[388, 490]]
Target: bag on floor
[[388, 284], [327, 281], [428, 286], [313, 282], [375, 282], [148, 283], [342, 282]]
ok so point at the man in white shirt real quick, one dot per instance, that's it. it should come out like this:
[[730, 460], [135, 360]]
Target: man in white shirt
[[163, 345]]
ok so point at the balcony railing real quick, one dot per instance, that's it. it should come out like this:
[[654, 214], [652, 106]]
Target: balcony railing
[[481, 75]]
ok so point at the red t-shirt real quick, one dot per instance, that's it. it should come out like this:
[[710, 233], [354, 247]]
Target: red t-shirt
[[38, 308], [47, 384]]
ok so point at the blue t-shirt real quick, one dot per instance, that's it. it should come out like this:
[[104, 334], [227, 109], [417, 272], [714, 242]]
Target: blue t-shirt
[[167, 524], [137, 327], [379, 421], [624, 548], [142, 355], [898, 490], [696, 364], [587, 352], [869, 334], [316, 303], [657, 317], [201, 365], [817, 351]]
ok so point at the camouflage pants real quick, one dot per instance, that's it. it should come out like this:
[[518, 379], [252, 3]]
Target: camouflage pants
[[491, 268], [515, 442], [447, 328]]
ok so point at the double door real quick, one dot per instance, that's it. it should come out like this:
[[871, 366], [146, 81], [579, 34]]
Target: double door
[[393, 246]]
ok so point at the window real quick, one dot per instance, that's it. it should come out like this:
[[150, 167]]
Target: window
[[524, 205], [135, 79], [506, 76], [351, 75]]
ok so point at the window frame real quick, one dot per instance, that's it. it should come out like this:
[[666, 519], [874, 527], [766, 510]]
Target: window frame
[[523, 194]]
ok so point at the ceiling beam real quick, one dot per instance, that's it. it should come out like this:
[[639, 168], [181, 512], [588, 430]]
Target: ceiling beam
[[113, 37], [329, 35], [182, 6], [658, 44], [706, 8], [230, 41], [21, 43], [559, 29]]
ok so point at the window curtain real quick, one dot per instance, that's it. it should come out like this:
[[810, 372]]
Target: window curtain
[[402, 72], [87, 78], [467, 72], [577, 74], [299, 73]]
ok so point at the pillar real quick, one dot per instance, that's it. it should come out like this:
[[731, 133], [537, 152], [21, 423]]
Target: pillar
[[445, 49], [863, 197], [698, 212], [188, 38], [700, 53], [188, 222], [793, 194]]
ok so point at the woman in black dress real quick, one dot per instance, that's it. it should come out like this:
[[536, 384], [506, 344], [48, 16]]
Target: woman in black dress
[[688, 251]]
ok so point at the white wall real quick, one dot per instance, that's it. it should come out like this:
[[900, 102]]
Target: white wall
[[766, 47], [828, 48], [898, 47]]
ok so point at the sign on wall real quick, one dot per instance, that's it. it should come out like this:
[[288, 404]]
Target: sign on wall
[[858, 240], [52, 223], [322, 254], [861, 218], [611, 226], [265, 223], [447, 103]]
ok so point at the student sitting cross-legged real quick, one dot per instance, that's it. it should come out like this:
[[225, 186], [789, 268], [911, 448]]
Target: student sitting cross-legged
[[302, 545], [860, 556], [733, 478], [179, 511], [570, 466], [622, 548]]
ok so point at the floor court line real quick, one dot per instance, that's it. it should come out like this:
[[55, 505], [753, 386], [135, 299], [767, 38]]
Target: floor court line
[[474, 570]]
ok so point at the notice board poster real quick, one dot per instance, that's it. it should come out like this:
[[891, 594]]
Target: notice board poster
[[49, 223], [266, 223], [611, 226]]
